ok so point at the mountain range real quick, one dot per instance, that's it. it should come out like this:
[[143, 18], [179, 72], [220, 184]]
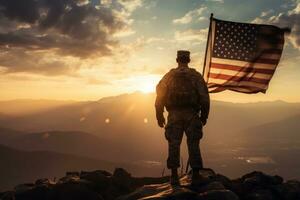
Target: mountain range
[[238, 138]]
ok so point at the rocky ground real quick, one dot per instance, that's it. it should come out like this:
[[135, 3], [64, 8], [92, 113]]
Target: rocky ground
[[102, 185]]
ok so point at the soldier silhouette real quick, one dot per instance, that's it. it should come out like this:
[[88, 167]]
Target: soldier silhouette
[[184, 93]]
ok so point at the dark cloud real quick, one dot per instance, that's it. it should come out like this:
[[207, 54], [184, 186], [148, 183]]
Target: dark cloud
[[17, 60], [292, 21], [23, 11], [75, 28], [64, 25]]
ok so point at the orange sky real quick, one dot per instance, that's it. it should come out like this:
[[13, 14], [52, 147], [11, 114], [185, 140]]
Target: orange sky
[[118, 46]]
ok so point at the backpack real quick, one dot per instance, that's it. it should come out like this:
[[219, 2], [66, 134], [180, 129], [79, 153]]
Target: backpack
[[181, 90]]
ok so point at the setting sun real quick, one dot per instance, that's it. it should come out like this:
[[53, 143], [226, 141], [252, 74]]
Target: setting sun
[[145, 84], [148, 84]]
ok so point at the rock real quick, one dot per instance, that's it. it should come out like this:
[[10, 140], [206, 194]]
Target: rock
[[177, 194], [293, 190], [9, 195], [122, 181], [141, 181], [69, 179], [289, 190], [36, 193], [43, 181], [225, 181], [102, 185], [121, 174], [72, 191], [147, 191], [218, 195], [98, 182], [207, 172], [72, 174], [105, 173], [260, 195], [215, 185], [23, 187], [260, 179]]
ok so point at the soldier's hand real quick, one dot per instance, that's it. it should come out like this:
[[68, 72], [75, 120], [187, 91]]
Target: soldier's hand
[[161, 122]]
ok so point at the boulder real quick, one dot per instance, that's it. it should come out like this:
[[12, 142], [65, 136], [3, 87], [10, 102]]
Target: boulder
[[122, 181], [105, 173], [259, 179], [99, 181], [261, 195], [9, 195], [23, 187], [44, 181], [35, 193], [225, 181], [72, 191], [72, 173], [218, 195]]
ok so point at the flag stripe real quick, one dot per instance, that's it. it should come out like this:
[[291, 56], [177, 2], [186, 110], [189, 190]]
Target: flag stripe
[[236, 83], [241, 69], [242, 63], [249, 90], [241, 73], [237, 78], [266, 60]]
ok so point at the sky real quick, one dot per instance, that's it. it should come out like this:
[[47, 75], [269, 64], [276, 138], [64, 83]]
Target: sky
[[89, 49]]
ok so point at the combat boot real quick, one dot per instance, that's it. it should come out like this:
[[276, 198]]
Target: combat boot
[[174, 179], [197, 179]]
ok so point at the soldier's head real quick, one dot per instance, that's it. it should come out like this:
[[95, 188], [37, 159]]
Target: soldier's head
[[183, 57]]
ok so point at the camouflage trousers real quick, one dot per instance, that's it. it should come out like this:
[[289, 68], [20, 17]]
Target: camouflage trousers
[[180, 121]]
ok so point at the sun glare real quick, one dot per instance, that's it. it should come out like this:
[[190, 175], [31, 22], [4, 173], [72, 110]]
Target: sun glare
[[145, 84]]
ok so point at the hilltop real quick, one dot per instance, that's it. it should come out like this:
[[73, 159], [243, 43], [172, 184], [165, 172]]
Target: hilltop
[[120, 185]]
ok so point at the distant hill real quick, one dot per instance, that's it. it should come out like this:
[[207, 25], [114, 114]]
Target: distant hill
[[25, 166], [288, 128], [70, 142], [27, 106]]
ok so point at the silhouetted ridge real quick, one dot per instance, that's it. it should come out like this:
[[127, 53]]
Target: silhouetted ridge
[[120, 185]]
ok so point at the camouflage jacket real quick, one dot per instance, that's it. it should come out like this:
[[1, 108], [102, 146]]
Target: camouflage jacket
[[196, 77]]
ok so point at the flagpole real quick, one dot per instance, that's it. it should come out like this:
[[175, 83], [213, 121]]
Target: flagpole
[[209, 31]]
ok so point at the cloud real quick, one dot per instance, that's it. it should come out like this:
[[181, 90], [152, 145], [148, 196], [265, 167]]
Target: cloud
[[61, 25], [33, 29], [199, 35], [266, 13], [289, 19], [188, 17], [131, 5], [39, 63]]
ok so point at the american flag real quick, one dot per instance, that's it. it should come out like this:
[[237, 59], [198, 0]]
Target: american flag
[[242, 57]]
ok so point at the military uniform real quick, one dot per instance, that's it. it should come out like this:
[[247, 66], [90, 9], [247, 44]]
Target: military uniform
[[183, 118]]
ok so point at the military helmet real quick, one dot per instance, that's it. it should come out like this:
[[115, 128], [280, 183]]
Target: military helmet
[[183, 53], [183, 56]]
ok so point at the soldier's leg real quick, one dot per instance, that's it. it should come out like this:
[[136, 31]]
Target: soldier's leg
[[174, 136], [194, 134]]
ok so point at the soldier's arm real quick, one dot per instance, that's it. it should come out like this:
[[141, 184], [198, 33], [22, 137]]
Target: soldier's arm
[[161, 90], [204, 97]]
